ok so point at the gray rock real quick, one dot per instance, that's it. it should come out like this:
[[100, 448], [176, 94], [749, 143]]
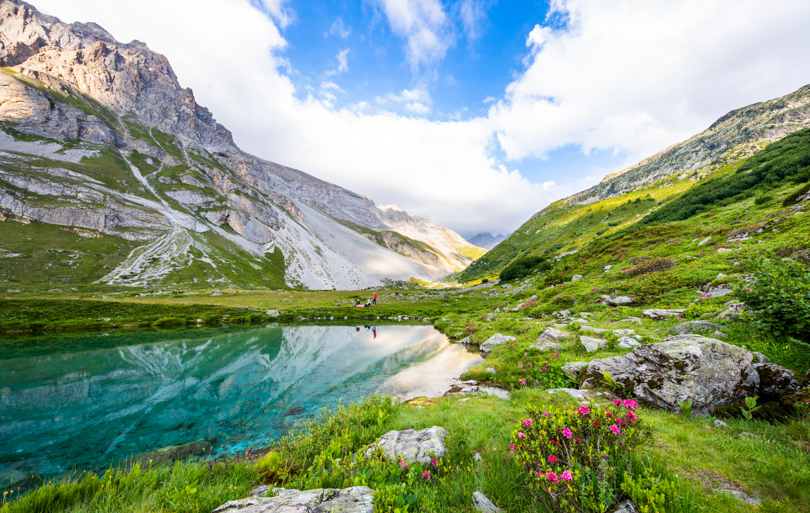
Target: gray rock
[[495, 340], [477, 457], [491, 370], [625, 507], [576, 277], [733, 309], [413, 445], [760, 358], [719, 424], [608, 268], [594, 330], [624, 333], [583, 396], [694, 327], [481, 503], [724, 290], [549, 346], [704, 241], [741, 496], [628, 343], [708, 371], [775, 381], [659, 314], [718, 334], [633, 319], [574, 369], [357, 499], [259, 491], [620, 301], [552, 335], [272, 313], [464, 341], [592, 344]]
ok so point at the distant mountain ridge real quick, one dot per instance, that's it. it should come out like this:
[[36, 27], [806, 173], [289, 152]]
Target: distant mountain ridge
[[99, 135], [487, 240]]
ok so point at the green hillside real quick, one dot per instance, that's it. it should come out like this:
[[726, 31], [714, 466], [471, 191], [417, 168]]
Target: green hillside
[[757, 185]]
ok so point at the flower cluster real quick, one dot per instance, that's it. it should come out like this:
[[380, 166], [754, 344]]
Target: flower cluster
[[574, 457]]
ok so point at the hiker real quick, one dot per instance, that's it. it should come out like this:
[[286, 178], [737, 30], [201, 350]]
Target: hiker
[[358, 303], [375, 299], [368, 304]]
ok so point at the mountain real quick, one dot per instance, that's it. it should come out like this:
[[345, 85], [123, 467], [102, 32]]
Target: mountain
[[115, 175], [487, 240], [624, 198]]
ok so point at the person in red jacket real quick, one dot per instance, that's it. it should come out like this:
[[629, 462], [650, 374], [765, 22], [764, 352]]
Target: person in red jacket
[[375, 299]]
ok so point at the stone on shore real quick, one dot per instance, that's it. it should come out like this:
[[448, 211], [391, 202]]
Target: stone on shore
[[413, 446], [357, 499]]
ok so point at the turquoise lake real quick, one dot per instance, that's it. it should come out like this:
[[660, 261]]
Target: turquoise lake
[[89, 401]]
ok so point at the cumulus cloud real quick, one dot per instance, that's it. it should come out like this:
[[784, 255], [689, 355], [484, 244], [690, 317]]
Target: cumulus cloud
[[628, 75], [423, 24]]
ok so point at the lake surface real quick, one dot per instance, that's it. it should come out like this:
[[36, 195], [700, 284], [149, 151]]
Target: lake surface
[[87, 409]]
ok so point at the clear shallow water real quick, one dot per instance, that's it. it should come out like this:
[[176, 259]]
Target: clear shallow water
[[90, 409]]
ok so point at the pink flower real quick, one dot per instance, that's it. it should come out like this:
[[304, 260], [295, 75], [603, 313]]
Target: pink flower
[[521, 435], [583, 410], [546, 414], [512, 447], [527, 422], [614, 429], [566, 476], [567, 433], [433, 462], [522, 382], [552, 459], [629, 403], [539, 474], [426, 474], [617, 401], [551, 476]]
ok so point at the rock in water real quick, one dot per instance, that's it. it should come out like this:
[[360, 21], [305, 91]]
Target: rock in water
[[775, 381], [413, 445], [357, 499], [708, 371], [483, 504], [495, 340]]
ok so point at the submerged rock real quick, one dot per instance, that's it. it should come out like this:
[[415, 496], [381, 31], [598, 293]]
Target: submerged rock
[[708, 371], [413, 445], [357, 499], [174, 453]]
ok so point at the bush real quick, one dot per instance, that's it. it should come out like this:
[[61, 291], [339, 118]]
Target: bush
[[577, 457], [169, 322], [794, 197], [523, 267], [649, 266], [779, 298], [649, 494], [761, 200]]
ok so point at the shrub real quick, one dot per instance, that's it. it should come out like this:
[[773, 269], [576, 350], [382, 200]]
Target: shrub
[[523, 267], [794, 197], [169, 322], [761, 200], [779, 297], [652, 265], [649, 494], [576, 458]]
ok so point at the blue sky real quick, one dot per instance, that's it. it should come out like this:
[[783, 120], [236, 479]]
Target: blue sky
[[388, 98]]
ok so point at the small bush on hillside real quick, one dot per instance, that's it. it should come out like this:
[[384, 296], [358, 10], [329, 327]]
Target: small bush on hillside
[[794, 197], [761, 200], [169, 322], [779, 298], [576, 458], [649, 266], [523, 267]]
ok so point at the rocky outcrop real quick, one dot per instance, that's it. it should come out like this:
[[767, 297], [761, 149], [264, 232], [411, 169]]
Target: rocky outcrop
[[413, 446], [709, 372], [357, 499]]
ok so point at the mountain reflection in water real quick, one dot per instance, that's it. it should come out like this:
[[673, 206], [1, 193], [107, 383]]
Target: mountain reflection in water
[[91, 409]]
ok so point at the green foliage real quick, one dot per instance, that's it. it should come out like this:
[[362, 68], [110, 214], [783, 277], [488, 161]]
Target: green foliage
[[523, 267], [169, 322], [750, 407], [793, 198], [686, 408], [576, 458], [761, 200], [649, 266], [779, 297], [649, 494], [787, 160]]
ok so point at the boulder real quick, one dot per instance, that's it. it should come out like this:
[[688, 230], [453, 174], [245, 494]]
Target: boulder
[[660, 314], [708, 371], [357, 499], [625, 507], [272, 313], [592, 344], [694, 327], [413, 446], [495, 340], [620, 301], [628, 343], [574, 369], [552, 335], [549, 346], [483, 504], [464, 341], [775, 381]]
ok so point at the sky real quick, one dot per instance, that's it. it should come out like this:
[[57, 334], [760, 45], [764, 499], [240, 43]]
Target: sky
[[473, 113]]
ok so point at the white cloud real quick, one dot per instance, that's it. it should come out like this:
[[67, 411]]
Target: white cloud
[[277, 10], [423, 23], [628, 75], [473, 15], [343, 63], [338, 28], [417, 108]]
